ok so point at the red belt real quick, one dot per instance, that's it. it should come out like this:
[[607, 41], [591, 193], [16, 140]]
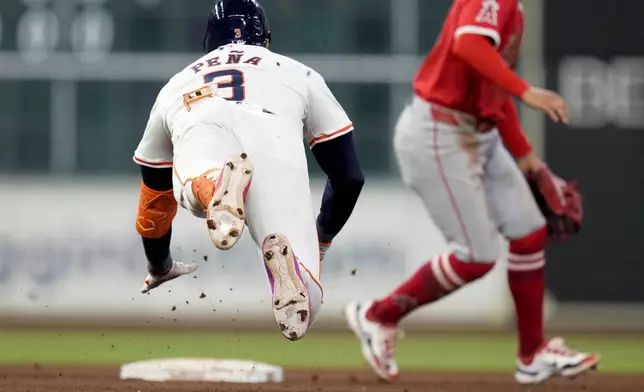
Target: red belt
[[464, 121]]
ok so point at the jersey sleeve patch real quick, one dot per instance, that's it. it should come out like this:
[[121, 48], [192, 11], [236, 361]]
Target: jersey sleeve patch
[[331, 135]]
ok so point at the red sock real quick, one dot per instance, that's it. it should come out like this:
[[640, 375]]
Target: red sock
[[526, 276], [437, 278]]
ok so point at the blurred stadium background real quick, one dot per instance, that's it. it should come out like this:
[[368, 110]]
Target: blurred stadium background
[[78, 78]]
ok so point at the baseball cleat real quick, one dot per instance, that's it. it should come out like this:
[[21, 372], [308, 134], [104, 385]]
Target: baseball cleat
[[226, 216], [378, 341], [555, 359], [177, 270], [291, 300]]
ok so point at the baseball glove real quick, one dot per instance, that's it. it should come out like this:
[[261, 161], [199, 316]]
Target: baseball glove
[[559, 201]]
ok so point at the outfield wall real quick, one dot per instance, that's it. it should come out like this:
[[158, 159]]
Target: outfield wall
[[69, 251]]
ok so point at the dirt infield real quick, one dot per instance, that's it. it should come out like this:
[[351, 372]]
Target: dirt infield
[[38, 378]]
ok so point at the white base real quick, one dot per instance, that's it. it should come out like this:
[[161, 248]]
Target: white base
[[202, 369]]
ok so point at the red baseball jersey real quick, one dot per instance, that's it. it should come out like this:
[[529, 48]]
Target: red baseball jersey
[[445, 80]]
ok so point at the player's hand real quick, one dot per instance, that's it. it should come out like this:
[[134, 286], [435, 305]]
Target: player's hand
[[324, 247], [530, 164], [548, 102]]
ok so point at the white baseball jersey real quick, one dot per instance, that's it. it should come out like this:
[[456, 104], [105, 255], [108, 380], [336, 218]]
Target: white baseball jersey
[[241, 74]]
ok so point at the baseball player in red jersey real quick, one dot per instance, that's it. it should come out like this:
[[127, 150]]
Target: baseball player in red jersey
[[460, 147]]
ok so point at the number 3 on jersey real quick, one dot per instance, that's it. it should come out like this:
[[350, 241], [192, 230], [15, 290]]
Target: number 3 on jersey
[[228, 79]]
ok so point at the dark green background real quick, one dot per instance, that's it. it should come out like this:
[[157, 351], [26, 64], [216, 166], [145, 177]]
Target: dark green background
[[606, 260], [111, 117]]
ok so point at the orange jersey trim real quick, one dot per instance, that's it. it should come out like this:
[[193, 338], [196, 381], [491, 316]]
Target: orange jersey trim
[[331, 135], [152, 164]]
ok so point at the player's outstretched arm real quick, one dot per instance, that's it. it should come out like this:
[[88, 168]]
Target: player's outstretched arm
[[329, 132], [338, 159], [516, 141], [480, 54], [157, 209]]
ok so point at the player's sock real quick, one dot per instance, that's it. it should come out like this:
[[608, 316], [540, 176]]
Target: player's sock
[[526, 276], [157, 251], [437, 278]]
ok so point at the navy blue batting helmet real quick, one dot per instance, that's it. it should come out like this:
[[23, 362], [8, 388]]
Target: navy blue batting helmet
[[236, 21]]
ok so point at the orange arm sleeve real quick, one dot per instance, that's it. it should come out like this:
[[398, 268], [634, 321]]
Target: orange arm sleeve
[[479, 53], [156, 212]]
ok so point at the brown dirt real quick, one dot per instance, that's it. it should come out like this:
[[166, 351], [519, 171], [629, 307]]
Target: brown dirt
[[38, 378]]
